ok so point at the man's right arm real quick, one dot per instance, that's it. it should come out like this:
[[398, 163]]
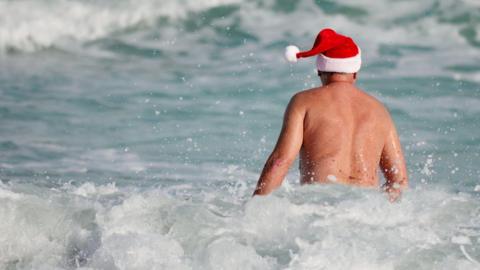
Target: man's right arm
[[285, 151], [392, 163]]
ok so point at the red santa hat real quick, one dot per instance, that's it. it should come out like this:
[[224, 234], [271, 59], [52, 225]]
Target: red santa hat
[[335, 53]]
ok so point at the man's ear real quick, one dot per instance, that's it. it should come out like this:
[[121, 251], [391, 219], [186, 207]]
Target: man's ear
[[355, 76]]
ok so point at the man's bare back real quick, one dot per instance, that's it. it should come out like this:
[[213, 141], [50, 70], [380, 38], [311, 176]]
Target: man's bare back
[[342, 134]]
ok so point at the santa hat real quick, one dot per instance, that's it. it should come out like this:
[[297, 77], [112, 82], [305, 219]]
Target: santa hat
[[335, 53]]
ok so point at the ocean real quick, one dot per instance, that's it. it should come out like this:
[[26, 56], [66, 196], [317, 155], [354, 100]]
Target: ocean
[[132, 134]]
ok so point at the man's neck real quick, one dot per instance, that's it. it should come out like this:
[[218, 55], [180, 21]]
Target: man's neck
[[341, 78]]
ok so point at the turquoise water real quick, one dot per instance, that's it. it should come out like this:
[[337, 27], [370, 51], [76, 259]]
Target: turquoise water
[[132, 134]]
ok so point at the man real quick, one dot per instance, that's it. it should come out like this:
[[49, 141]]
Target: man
[[342, 133]]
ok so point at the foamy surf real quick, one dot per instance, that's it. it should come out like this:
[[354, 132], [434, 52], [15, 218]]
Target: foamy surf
[[32, 25], [310, 227]]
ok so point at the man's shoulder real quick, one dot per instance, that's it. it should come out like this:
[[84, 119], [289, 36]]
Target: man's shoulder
[[302, 98], [311, 91], [376, 106], [375, 102], [307, 93]]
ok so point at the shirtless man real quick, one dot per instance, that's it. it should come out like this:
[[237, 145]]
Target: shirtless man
[[342, 133]]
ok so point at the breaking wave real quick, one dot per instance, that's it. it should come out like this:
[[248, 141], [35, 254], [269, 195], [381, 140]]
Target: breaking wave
[[179, 227]]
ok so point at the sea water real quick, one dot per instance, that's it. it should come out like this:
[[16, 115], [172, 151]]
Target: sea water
[[132, 134]]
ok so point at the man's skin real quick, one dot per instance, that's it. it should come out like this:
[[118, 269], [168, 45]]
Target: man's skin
[[343, 136]]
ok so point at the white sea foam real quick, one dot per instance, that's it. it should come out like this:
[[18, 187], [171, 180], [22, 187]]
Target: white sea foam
[[134, 229], [398, 38], [32, 25], [88, 189]]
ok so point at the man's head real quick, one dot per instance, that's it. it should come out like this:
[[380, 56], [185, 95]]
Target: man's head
[[328, 77], [335, 53]]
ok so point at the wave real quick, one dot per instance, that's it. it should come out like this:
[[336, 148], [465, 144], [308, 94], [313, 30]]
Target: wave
[[178, 227], [28, 26]]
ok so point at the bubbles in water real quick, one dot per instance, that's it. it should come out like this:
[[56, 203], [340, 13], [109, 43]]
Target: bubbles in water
[[308, 227]]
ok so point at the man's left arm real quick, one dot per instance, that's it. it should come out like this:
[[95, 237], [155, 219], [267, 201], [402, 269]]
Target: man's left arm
[[285, 151]]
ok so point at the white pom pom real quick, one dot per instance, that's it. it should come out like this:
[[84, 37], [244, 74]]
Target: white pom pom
[[291, 53]]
